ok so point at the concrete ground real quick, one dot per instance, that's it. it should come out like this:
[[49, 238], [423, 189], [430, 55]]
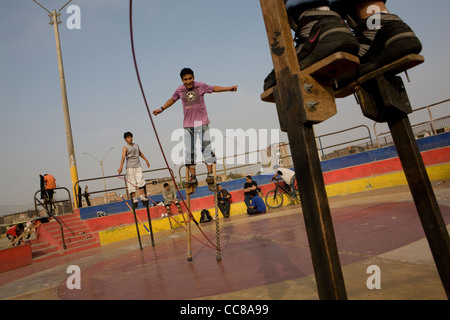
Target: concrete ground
[[264, 257]]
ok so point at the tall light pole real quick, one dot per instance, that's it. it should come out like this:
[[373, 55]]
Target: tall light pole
[[55, 21], [101, 165]]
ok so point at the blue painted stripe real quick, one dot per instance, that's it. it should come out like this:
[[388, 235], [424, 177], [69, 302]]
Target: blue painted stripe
[[424, 144]]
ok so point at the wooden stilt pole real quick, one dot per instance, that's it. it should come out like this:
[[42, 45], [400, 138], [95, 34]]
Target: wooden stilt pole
[[188, 227]]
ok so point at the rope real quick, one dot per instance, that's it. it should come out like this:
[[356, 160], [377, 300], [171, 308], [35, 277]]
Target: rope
[[170, 216], [153, 124], [182, 214], [216, 204]]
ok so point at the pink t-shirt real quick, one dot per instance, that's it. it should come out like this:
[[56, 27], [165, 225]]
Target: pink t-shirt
[[194, 107]]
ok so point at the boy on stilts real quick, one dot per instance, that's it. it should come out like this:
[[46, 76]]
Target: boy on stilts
[[131, 153], [196, 122]]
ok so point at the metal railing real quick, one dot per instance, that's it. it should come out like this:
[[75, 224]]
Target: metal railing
[[369, 136], [224, 168], [49, 203], [432, 127], [116, 178]]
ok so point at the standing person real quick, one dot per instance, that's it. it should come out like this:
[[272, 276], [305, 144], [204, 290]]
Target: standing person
[[131, 153], [224, 201], [288, 177], [250, 189], [196, 122], [86, 196], [170, 198], [48, 186], [377, 39]]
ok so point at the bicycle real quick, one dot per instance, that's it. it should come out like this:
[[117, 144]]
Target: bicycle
[[274, 198]]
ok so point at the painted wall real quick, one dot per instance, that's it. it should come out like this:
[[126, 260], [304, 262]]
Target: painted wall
[[15, 257], [374, 169]]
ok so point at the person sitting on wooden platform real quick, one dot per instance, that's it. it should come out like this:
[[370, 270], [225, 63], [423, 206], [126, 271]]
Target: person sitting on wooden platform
[[379, 38]]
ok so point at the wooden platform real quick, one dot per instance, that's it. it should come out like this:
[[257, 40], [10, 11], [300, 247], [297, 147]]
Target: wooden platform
[[339, 63], [396, 67]]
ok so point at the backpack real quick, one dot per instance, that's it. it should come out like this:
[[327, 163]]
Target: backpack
[[205, 216]]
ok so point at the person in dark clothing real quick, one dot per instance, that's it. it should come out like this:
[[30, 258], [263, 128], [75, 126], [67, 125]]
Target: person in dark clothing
[[250, 189], [224, 201], [257, 206]]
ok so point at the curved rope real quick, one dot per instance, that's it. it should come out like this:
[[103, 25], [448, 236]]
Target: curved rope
[[154, 127]]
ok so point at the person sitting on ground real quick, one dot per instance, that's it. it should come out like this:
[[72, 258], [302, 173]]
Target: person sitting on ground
[[257, 205], [378, 37]]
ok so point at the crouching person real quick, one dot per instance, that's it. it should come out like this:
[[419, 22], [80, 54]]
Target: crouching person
[[257, 205], [170, 198]]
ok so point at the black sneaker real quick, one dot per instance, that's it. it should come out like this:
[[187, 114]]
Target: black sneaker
[[210, 179], [192, 181], [379, 47], [319, 34], [394, 40]]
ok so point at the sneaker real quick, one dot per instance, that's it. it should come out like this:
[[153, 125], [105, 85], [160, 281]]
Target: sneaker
[[143, 198], [319, 34], [210, 179], [379, 47], [394, 40], [135, 200], [192, 181]]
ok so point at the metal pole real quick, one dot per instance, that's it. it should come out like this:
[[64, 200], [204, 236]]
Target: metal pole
[[101, 166], [70, 147], [432, 121]]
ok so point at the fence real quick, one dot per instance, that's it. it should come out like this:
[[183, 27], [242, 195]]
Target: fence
[[253, 162], [422, 129], [363, 142]]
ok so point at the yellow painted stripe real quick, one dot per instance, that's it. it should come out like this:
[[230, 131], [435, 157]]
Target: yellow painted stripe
[[437, 172]]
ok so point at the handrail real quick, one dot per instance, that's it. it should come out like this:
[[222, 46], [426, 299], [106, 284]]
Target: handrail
[[50, 214], [53, 201]]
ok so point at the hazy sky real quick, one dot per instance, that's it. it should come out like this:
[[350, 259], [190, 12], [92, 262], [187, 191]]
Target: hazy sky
[[224, 42]]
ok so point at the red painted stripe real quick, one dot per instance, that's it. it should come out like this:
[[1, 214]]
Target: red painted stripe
[[126, 218], [431, 157], [366, 170]]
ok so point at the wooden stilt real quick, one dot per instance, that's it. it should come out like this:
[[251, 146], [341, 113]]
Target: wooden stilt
[[384, 99], [188, 227], [303, 99], [307, 97]]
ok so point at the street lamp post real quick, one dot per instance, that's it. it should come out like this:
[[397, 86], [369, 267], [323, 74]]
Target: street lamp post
[[55, 21], [101, 165]]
